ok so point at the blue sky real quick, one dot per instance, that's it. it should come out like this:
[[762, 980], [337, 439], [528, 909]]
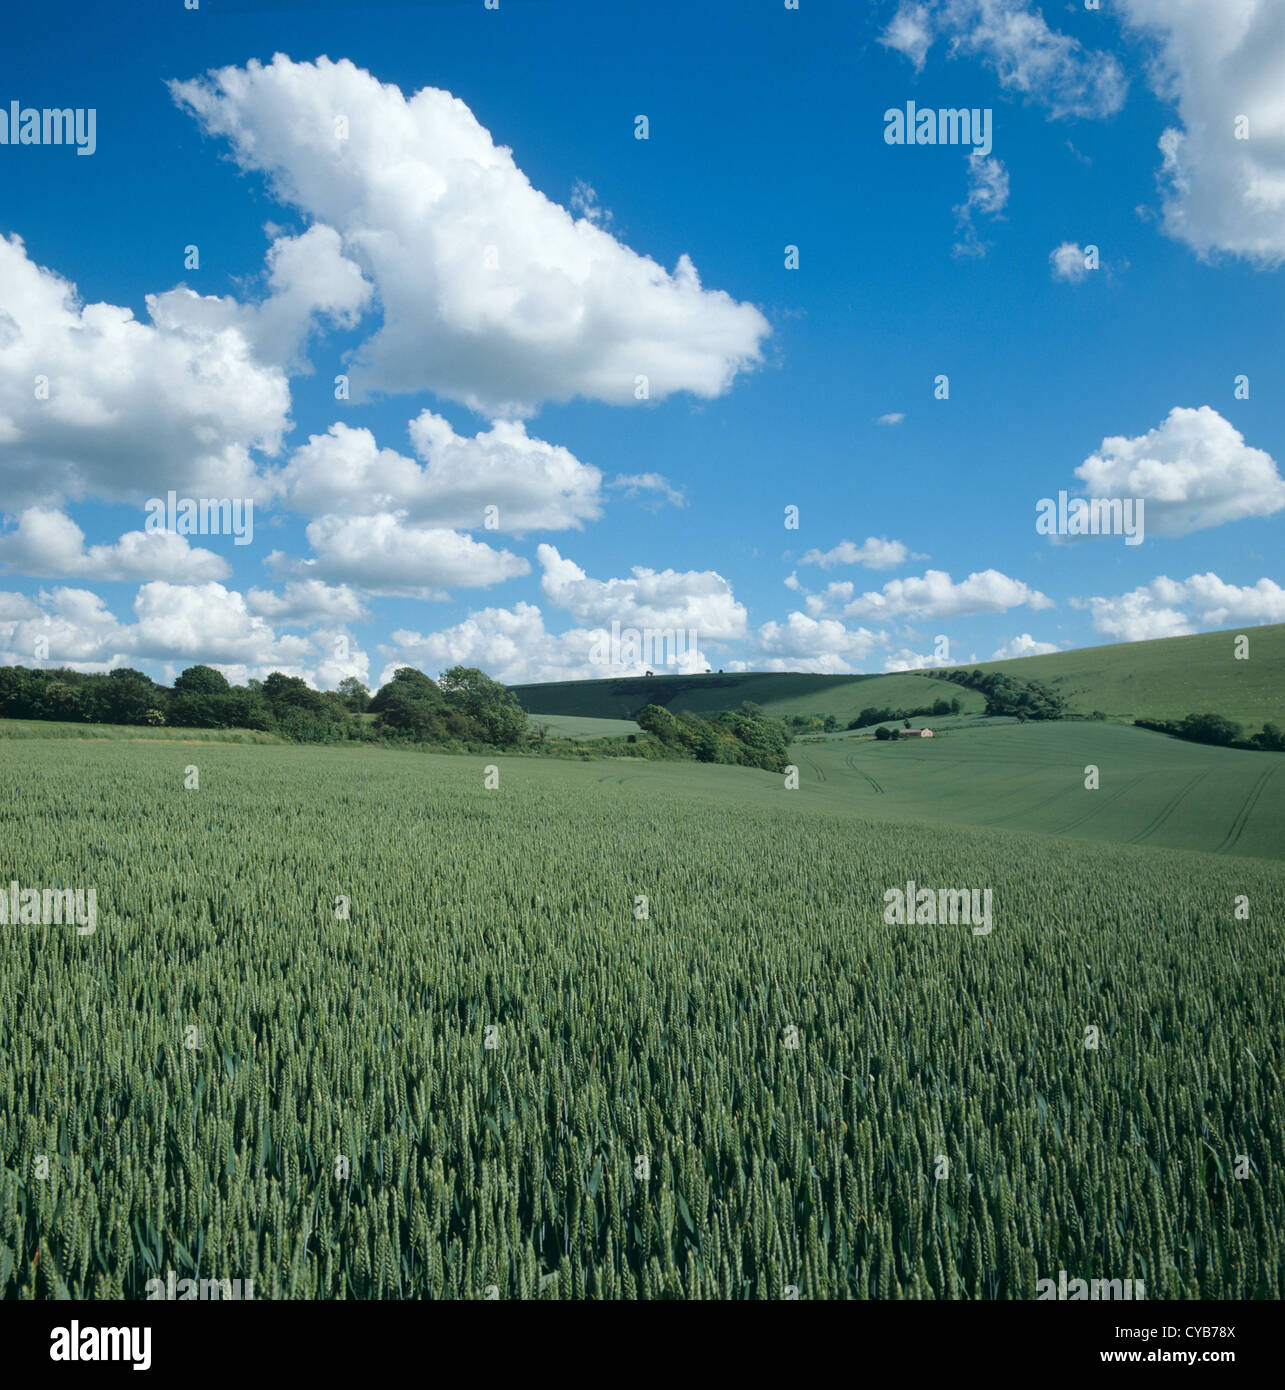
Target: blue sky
[[507, 302]]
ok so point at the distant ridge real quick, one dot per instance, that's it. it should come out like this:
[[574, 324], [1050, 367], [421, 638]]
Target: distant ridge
[[1165, 678]]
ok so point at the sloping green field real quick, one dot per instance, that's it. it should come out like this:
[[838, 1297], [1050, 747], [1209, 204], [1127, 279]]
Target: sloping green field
[[581, 726], [1153, 790], [623, 698], [1164, 679], [780, 694], [1170, 677]]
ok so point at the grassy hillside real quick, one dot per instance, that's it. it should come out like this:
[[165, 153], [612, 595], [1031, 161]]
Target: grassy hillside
[[1003, 776], [1169, 677], [582, 727], [1163, 679], [623, 698], [781, 693], [1153, 790]]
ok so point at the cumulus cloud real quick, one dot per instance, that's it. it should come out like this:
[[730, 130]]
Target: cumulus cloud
[[492, 294], [874, 553], [386, 554], [302, 602], [1172, 608], [1193, 471], [1024, 645], [206, 622], [1012, 39], [128, 409], [907, 660], [47, 544], [514, 646], [1068, 263], [1223, 184], [69, 627], [894, 417], [805, 643], [13, 606], [834, 593], [686, 600], [175, 625], [308, 278], [1217, 64], [935, 595], [530, 484]]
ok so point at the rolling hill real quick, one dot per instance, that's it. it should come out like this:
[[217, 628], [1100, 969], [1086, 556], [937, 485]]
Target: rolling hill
[[1166, 678], [1000, 774], [780, 693], [1169, 677]]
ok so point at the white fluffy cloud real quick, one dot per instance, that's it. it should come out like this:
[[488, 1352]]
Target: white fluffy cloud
[[805, 643], [514, 646], [935, 595], [492, 294], [206, 622], [1039, 63], [835, 593], [874, 553], [132, 409], [69, 627], [302, 602], [893, 417], [175, 625], [533, 485], [386, 554], [1215, 63], [1193, 471], [47, 544], [1172, 608], [308, 276], [1024, 645], [14, 606], [1218, 63], [907, 660], [681, 600], [1068, 263]]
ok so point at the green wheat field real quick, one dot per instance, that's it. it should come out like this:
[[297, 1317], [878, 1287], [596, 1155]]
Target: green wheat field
[[494, 1078]]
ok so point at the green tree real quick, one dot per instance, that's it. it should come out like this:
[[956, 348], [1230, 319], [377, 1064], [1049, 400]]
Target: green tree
[[126, 695], [658, 721], [491, 706], [201, 680], [406, 682], [1211, 728], [354, 694], [1271, 737]]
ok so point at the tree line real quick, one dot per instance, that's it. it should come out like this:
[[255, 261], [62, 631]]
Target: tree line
[[745, 736], [1219, 730], [1008, 695], [938, 708], [464, 707]]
